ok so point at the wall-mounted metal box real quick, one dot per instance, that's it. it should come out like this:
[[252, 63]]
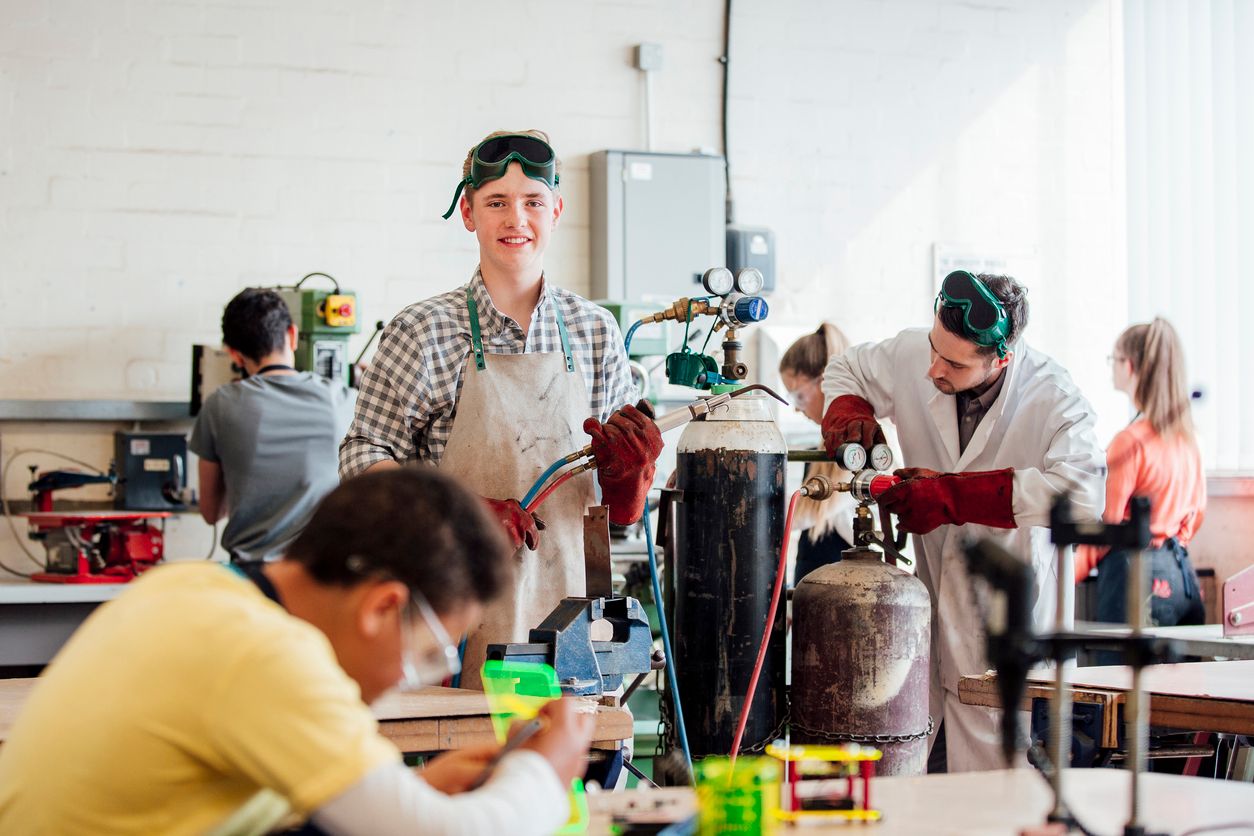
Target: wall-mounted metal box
[[657, 222]]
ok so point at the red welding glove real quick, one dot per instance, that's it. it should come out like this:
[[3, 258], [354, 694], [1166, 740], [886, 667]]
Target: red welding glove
[[850, 418], [519, 526], [625, 447], [926, 499]]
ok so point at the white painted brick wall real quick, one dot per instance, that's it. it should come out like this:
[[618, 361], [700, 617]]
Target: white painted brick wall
[[155, 157]]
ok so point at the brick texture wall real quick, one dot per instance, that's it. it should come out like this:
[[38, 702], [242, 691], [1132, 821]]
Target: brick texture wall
[[155, 157]]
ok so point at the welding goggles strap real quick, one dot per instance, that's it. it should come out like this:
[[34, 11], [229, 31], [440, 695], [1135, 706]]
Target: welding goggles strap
[[984, 318], [492, 157]]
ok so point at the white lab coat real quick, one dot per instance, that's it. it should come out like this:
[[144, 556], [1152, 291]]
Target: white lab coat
[[1041, 426]]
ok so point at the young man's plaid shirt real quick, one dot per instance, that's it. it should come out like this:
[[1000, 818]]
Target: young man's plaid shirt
[[408, 396]]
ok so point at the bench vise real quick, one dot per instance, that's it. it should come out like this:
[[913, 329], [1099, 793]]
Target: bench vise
[[587, 666]]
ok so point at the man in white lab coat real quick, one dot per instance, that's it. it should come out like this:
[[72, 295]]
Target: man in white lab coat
[[992, 431]]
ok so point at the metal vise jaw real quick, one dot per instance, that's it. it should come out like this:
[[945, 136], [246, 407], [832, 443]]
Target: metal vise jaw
[[585, 666]]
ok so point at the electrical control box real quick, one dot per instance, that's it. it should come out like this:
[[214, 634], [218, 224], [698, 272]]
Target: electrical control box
[[324, 320], [657, 223], [152, 471], [752, 246]]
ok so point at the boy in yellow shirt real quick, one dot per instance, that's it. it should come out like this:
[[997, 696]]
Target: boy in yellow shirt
[[209, 700]]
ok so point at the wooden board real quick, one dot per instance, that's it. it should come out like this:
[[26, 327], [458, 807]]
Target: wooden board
[[1006, 801], [1229, 681], [430, 720], [1198, 696]]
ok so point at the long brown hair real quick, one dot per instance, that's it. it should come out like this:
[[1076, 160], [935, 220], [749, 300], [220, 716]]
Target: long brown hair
[[808, 357], [1162, 391]]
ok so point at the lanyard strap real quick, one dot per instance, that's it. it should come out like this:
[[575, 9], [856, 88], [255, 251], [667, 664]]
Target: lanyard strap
[[476, 335], [275, 367], [253, 573]]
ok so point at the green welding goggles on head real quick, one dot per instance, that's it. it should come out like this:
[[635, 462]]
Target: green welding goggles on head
[[492, 157], [984, 318]]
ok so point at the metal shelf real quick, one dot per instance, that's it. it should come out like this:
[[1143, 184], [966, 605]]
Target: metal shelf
[[37, 410]]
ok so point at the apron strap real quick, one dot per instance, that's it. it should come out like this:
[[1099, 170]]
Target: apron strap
[[476, 339], [565, 337], [476, 336]]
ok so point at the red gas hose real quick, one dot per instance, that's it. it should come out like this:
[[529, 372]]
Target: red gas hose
[[552, 486], [766, 633]]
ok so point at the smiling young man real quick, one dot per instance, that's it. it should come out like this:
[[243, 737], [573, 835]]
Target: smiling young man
[[493, 381], [992, 431], [216, 699]]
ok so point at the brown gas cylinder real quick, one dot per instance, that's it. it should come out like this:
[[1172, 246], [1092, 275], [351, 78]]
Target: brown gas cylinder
[[861, 635]]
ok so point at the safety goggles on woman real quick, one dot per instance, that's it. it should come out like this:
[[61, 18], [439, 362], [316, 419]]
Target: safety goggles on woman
[[427, 654], [984, 318], [492, 157]]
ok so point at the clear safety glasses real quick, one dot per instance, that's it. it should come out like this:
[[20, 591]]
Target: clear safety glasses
[[984, 319], [428, 656], [492, 158]]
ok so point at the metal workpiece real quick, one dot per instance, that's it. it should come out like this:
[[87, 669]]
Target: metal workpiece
[[861, 641], [728, 525], [587, 663]]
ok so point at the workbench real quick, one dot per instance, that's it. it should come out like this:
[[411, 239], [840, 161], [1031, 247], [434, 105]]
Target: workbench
[[430, 720], [1002, 803], [1191, 696]]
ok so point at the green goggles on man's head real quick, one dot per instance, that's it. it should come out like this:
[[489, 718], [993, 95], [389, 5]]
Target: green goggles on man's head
[[984, 318], [491, 159]]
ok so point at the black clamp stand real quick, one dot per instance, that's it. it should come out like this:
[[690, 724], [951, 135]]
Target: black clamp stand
[[1013, 648]]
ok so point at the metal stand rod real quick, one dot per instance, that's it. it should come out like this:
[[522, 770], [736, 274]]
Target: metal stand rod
[[1138, 700], [1060, 708]]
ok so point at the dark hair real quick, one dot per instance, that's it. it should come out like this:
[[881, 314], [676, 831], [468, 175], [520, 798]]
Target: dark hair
[[809, 354], [415, 525], [1014, 298], [255, 322]]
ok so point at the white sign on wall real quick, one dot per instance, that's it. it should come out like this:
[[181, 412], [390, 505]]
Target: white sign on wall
[[1023, 266]]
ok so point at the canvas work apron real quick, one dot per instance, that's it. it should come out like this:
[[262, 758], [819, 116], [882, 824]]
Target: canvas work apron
[[516, 415]]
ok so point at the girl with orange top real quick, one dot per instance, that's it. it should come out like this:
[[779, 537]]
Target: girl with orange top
[[1156, 456]]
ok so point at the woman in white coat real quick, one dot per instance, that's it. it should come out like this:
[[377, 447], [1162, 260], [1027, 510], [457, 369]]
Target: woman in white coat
[[992, 432]]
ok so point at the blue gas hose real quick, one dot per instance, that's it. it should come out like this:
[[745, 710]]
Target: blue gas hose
[[666, 640], [630, 333], [544, 477]]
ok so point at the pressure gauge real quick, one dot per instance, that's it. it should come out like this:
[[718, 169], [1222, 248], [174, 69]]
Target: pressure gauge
[[881, 457], [750, 281], [851, 457], [718, 281]]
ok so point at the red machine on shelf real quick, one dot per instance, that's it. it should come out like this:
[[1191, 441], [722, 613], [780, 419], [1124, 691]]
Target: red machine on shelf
[[92, 546]]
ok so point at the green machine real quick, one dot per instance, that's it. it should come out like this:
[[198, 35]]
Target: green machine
[[325, 320]]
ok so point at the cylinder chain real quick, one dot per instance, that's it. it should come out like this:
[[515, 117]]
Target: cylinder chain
[[848, 737]]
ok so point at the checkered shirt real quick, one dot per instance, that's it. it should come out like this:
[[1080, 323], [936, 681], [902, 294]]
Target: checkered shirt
[[408, 396]]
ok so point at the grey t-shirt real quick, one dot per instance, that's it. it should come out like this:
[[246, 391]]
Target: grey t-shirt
[[277, 440]]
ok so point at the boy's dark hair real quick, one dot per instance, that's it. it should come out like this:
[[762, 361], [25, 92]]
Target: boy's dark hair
[[413, 524], [255, 322], [1014, 298]]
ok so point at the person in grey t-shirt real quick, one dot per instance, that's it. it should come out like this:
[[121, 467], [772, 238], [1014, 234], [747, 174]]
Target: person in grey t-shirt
[[268, 445]]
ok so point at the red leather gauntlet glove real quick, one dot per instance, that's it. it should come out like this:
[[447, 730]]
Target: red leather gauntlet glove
[[626, 448], [925, 499], [850, 418], [519, 526]]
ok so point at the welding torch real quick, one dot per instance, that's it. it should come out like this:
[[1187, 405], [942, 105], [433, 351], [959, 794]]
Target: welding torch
[[583, 460]]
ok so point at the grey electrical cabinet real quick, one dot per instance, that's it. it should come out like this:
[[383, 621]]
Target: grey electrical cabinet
[[658, 223]]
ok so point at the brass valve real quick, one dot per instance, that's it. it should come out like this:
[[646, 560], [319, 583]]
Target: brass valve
[[818, 488], [682, 310]]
